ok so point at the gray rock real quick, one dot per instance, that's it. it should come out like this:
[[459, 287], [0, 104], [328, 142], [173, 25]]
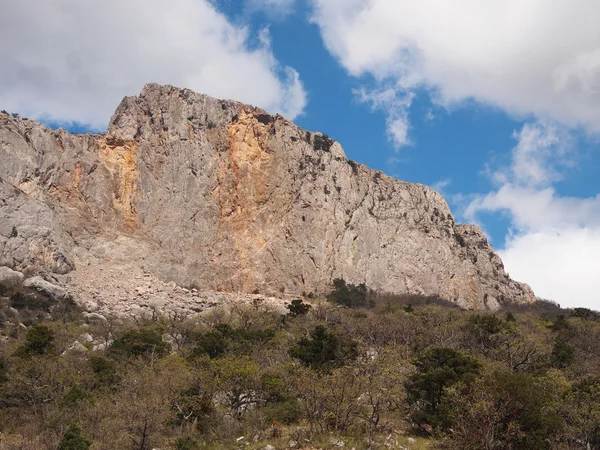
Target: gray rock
[[87, 337], [225, 197], [77, 347], [94, 316], [46, 288], [10, 278]]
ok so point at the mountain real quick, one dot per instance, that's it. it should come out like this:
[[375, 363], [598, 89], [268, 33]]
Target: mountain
[[222, 196]]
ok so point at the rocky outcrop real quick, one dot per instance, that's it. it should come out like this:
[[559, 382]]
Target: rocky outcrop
[[225, 197]]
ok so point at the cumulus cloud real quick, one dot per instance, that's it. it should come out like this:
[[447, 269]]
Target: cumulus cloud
[[523, 56], [559, 264], [555, 239], [396, 104], [74, 60]]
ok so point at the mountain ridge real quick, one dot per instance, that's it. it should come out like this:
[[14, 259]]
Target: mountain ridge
[[226, 197]]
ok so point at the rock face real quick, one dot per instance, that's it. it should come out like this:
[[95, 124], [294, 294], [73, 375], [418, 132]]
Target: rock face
[[223, 196]]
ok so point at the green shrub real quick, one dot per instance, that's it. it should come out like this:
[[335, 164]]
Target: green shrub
[[324, 350], [186, 443], [286, 412], [437, 369], [225, 339], [39, 341], [73, 440], [211, 343], [350, 295], [322, 142], [563, 354], [104, 370], [74, 396], [20, 301], [145, 341], [298, 308], [586, 314]]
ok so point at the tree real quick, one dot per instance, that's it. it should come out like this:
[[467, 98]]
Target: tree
[[73, 440], [505, 410], [324, 350], [581, 411], [236, 378], [437, 369], [350, 295], [563, 354], [145, 341], [298, 308]]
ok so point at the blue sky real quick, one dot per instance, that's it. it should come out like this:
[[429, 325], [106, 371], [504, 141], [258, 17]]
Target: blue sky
[[497, 105]]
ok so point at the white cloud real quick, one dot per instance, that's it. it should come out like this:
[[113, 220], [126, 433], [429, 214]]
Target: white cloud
[[524, 56], [534, 209], [71, 60], [555, 242], [396, 104], [441, 185], [541, 148], [559, 265]]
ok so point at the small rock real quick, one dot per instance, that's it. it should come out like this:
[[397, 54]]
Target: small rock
[[412, 441], [337, 442], [268, 447]]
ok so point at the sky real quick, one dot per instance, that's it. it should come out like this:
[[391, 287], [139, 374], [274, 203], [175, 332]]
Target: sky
[[494, 104]]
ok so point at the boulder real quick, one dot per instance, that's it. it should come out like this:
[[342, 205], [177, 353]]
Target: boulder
[[10, 278], [46, 288]]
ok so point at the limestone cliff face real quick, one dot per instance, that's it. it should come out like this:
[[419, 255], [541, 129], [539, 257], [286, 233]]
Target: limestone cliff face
[[224, 196]]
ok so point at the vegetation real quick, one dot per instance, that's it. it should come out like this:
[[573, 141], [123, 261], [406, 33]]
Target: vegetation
[[369, 370], [350, 295], [322, 142]]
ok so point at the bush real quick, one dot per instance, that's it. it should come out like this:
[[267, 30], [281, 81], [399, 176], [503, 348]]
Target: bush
[[325, 350], [104, 370], [73, 440], [298, 308], [39, 341], [186, 443], [586, 314], [30, 301], [225, 339], [350, 295], [322, 142], [437, 369], [74, 396], [563, 354], [145, 341]]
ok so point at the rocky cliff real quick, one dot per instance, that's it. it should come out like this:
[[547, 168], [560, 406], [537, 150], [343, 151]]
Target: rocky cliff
[[223, 196]]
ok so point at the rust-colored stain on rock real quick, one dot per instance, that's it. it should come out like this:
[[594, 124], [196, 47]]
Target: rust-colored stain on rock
[[120, 160], [242, 189]]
